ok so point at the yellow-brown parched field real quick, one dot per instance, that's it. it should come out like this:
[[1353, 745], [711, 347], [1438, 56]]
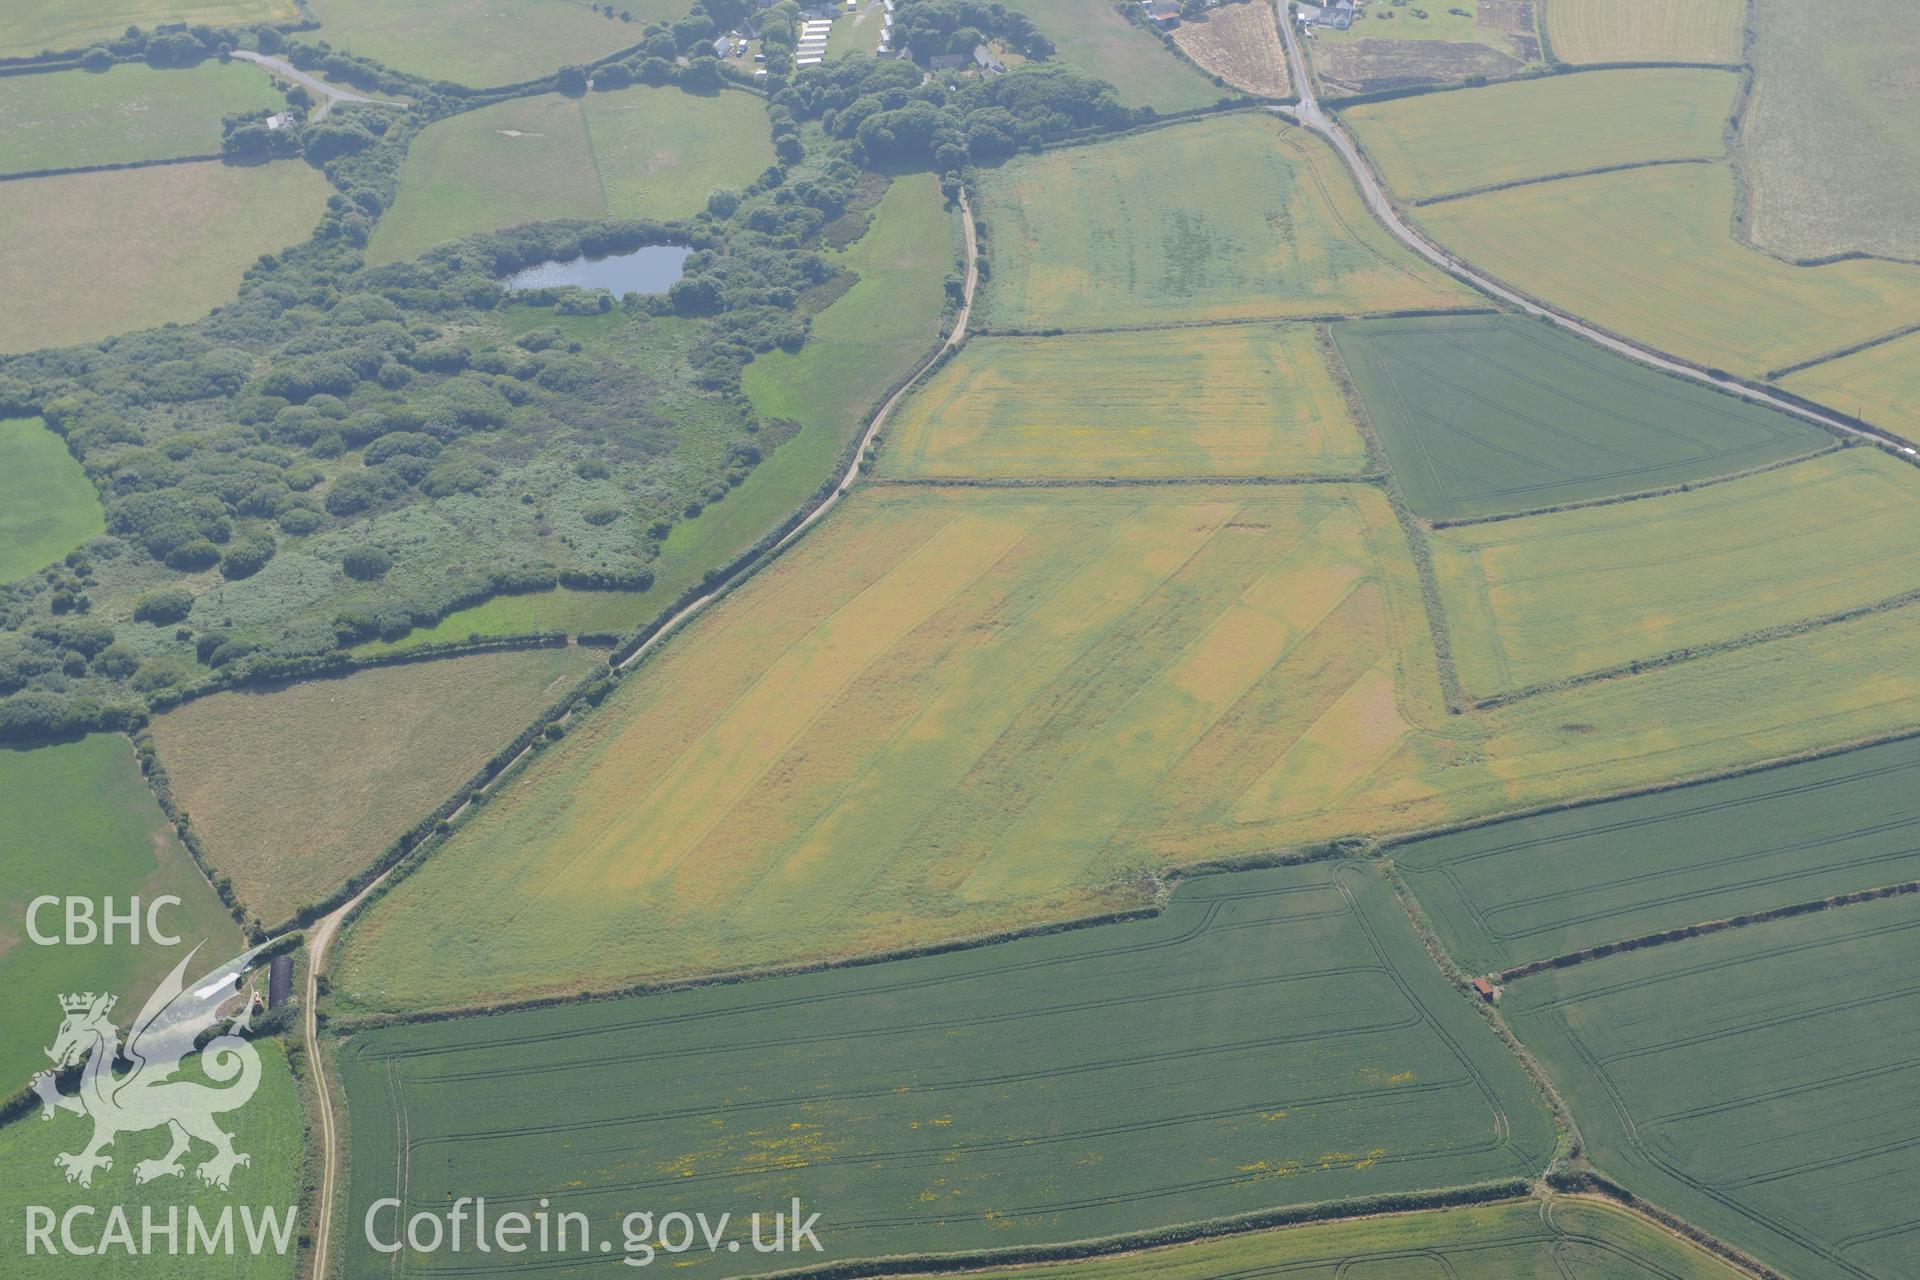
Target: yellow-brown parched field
[[947, 711], [955, 711], [1237, 400], [1234, 217], [1240, 43], [1583, 31], [1543, 598]]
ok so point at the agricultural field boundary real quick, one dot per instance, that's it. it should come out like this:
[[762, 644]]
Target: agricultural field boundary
[[23, 174], [1227, 322], [1114, 482], [1511, 183], [1591, 1183], [1410, 526], [1381, 204], [1706, 927], [1567, 1143], [1504, 1191], [1674, 657], [1389, 844], [1665, 491], [1843, 352]]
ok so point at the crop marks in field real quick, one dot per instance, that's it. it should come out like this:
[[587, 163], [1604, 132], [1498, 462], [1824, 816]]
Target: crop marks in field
[[483, 43], [182, 236], [1546, 598], [1556, 883], [1436, 144], [1238, 216], [914, 726], [131, 113], [630, 153], [295, 789], [1649, 254], [1274, 1037], [1568, 1238], [80, 822], [1241, 400], [1757, 1082], [1584, 31], [1491, 415]]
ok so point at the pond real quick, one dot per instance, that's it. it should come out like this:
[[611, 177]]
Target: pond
[[648, 270]]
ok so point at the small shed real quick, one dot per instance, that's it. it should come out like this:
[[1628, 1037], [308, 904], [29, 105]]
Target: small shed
[[1485, 990]]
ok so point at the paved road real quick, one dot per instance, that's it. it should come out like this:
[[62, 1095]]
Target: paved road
[[321, 933], [329, 94], [1309, 115]]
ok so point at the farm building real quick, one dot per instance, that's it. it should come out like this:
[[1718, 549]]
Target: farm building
[[989, 65], [1337, 14], [1485, 990], [1164, 14]]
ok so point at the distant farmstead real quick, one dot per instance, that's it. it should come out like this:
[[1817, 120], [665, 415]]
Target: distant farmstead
[[1337, 14], [1164, 14]]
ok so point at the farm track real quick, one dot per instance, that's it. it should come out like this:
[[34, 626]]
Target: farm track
[[323, 930], [1309, 115]]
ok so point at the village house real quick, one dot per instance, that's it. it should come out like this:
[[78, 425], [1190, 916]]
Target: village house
[[1164, 14]]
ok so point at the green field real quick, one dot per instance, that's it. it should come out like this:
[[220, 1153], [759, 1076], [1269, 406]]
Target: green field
[[1273, 1038], [1090, 36], [1645, 30], [1240, 400], [29, 26], [1491, 415], [107, 837], [561, 609], [1532, 888], [631, 153], [1438, 143], [165, 243], [1648, 253], [913, 724], [295, 789], [47, 505], [1880, 384], [1562, 1239], [484, 42], [267, 1129], [1545, 598], [1827, 145], [1756, 1082], [1235, 217], [69, 119]]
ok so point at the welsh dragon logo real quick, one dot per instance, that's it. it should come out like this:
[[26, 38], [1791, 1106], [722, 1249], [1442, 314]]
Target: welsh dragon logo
[[148, 1095]]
